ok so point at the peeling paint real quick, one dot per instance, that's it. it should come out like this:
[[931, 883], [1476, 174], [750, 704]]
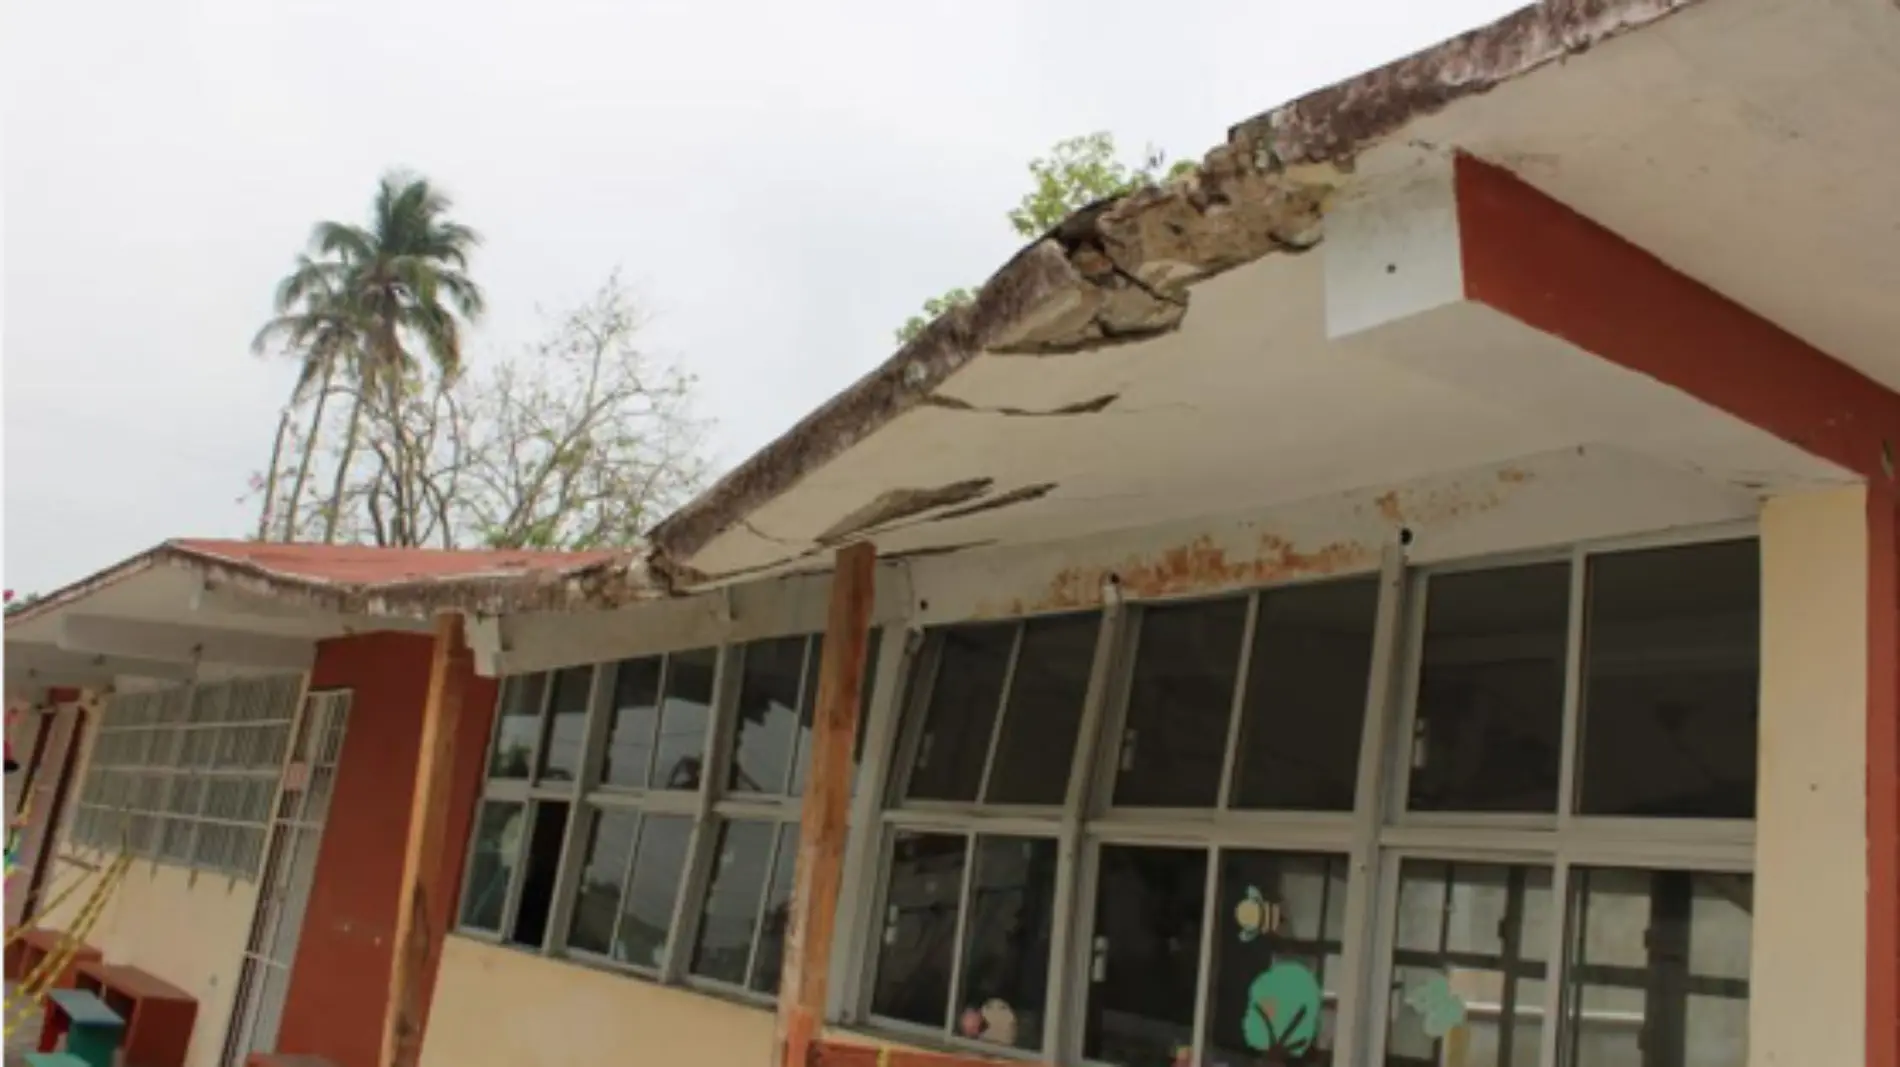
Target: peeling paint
[[894, 504], [1080, 407], [1444, 503], [1197, 566], [1001, 500]]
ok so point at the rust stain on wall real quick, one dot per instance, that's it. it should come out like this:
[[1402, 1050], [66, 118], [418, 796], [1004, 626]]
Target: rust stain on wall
[[1198, 566], [1445, 503]]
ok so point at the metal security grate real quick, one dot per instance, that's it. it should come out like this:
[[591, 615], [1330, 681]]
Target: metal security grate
[[186, 775]]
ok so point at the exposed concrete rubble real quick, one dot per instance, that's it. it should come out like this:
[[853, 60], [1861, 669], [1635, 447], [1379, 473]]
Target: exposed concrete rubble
[[1122, 270]]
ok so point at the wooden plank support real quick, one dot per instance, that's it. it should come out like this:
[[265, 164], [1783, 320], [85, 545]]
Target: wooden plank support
[[415, 940], [821, 829]]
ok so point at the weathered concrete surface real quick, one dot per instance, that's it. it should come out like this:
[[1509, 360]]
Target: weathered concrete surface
[[1121, 271]]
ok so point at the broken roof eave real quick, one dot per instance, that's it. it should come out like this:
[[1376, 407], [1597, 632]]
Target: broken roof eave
[[1122, 271], [610, 583]]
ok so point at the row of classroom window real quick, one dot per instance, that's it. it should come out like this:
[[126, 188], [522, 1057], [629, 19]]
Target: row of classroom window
[[1223, 711]]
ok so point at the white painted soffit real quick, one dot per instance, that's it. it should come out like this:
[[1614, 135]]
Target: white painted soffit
[[1091, 391]]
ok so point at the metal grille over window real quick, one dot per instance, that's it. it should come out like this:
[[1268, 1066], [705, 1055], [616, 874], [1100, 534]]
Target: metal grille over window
[[187, 775]]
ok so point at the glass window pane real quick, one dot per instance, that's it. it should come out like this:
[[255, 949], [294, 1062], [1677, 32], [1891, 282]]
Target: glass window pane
[[731, 913], [516, 723], [1491, 690], [567, 721], [636, 714], [609, 845], [768, 725], [1467, 968], [548, 833], [808, 703], [1276, 972], [1005, 977], [1672, 670], [920, 928], [1145, 955], [683, 716], [1179, 705], [769, 961], [1044, 711], [1657, 969], [963, 704], [647, 912], [1306, 697], [495, 851]]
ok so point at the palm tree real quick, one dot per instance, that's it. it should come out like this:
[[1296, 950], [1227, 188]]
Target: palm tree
[[367, 295], [318, 326]]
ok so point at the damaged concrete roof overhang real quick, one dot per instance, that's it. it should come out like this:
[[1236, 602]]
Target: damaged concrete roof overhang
[[1166, 354], [207, 608]]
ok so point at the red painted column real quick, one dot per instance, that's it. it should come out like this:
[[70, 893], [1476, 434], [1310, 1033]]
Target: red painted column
[[336, 1002], [1532, 258]]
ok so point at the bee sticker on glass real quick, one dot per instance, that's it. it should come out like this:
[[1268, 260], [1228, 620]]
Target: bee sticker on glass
[[1256, 915]]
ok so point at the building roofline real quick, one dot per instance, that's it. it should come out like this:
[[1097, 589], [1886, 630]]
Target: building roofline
[[1121, 270], [564, 580]]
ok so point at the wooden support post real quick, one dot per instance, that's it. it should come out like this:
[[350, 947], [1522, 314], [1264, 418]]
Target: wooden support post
[[821, 829], [414, 943]]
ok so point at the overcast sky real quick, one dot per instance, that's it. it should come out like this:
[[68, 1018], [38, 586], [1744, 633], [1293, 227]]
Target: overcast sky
[[783, 182]]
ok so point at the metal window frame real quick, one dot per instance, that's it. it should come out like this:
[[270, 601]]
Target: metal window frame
[[1371, 841], [149, 715]]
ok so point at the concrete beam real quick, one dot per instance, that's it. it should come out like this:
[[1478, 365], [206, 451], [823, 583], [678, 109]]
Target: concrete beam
[[102, 635], [53, 665], [1530, 257]]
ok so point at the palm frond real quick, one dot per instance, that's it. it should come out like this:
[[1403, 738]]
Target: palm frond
[[466, 295], [352, 243]]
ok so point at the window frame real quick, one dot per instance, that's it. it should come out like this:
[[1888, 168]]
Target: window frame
[[163, 720], [708, 808], [1374, 838]]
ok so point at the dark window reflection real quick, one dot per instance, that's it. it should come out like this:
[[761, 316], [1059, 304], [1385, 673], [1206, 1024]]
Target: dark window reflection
[[497, 849], [548, 833], [1672, 673], [647, 912], [636, 715], [962, 712], [1006, 944], [610, 838], [920, 928], [681, 752], [1468, 965], [1658, 971], [567, 722], [1306, 697], [1144, 955], [801, 766], [1044, 711], [1179, 705], [769, 961], [768, 725], [1276, 966], [1491, 690], [731, 915], [516, 725]]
